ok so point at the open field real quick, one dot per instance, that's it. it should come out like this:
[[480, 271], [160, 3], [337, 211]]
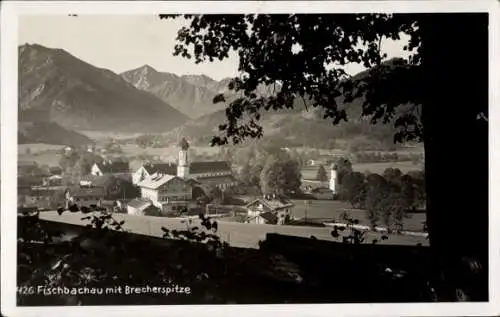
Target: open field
[[236, 234], [44, 158], [166, 153], [41, 153], [331, 210], [38, 147], [103, 135], [379, 168]]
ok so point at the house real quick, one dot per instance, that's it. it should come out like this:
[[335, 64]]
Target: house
[[85, 196], [214, 173], [270, 210], [137, 206], [263, 218], [168, 192], [68, 149], [141, 207], [109, 167], [94, 181], [55, 170], [54, 180], [148, 169]]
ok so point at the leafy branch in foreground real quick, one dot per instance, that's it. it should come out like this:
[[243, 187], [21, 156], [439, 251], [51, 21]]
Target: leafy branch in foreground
[[305, 55]]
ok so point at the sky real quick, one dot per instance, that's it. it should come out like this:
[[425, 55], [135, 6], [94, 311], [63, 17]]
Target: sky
[[124, 42]]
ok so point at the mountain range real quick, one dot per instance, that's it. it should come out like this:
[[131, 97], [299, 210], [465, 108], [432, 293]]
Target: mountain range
[[58, 88], [59, 92], [190, 94]]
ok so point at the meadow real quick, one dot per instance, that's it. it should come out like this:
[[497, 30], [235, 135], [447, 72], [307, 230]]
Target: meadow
[[43, 154], [332, 210], [36, 148], [379, 168]]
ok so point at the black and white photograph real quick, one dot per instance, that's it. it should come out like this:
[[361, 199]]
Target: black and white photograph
[[264, 157]]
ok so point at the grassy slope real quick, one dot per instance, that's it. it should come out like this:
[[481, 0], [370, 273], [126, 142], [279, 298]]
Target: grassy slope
[[49, 133]]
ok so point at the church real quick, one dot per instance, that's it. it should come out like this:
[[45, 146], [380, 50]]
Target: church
[[169, 186], [211, 173]]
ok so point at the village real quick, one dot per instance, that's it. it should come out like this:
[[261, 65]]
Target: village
[[162, 189], [187, 188]]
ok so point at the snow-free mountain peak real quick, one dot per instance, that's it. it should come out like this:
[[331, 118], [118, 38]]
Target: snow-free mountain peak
[[55, 86]]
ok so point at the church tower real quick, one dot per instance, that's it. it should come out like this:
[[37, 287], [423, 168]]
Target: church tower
[[183, 163], [334, 181]]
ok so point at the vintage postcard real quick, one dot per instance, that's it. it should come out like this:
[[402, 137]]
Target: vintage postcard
[[310, 158]]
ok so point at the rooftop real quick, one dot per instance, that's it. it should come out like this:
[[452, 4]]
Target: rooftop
[[157, 180], [113, 167], [273, 204], [139, 203], [224, 179], [164, 168], [209, 167]]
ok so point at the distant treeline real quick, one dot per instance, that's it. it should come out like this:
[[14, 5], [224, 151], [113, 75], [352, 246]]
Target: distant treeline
[[376, 157], [356, 135]]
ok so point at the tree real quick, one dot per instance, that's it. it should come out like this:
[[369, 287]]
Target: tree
[[391, 209], [322, 176], [295, 155], [427, 81], [418, 180], [409, 192], [344, 166], [280, 175], [271, 177], [143, 141], [353, 189], [68, 160], [392, 175], [376, 193], [86, 161], [112, 187], [214, 194], [119, 188], [244, 175]]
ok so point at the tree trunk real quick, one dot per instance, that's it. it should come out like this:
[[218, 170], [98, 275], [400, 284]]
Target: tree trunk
[[455, 58]]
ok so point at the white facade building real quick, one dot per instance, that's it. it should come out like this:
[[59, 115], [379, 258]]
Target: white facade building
[[334, 181]]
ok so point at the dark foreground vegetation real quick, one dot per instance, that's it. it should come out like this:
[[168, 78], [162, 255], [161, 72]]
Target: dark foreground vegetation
[[101, 256]]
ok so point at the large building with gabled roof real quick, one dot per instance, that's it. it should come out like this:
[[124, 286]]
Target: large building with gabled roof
[[168, 192], [169, 186], [211, 173]]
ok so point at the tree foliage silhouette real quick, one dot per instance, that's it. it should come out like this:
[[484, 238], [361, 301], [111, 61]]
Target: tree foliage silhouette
[[428, 81], [264, 44]]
